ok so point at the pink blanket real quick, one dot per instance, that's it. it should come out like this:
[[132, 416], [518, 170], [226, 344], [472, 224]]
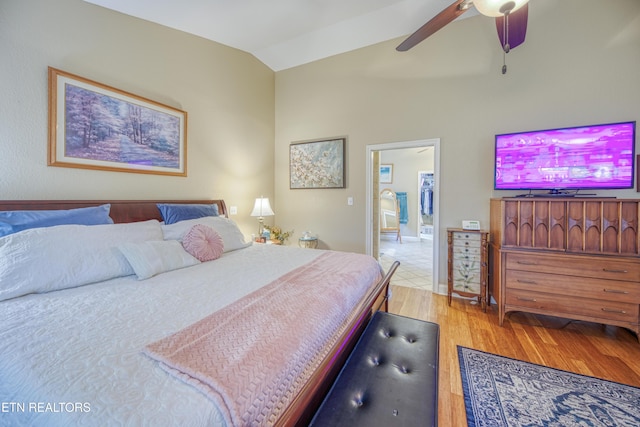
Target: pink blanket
[[253, 356]]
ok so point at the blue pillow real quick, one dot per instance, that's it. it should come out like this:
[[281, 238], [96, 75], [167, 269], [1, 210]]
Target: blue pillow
[[172, 213], [14, 221]]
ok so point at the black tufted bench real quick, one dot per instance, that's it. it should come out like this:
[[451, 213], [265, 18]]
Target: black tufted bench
[[390, 378]]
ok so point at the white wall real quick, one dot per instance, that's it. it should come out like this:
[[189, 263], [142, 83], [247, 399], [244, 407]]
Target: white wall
[[579, 65], [227, 94]]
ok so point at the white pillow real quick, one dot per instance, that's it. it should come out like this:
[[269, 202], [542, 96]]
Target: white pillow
[[66, 256], [231, 235], [155, 257]]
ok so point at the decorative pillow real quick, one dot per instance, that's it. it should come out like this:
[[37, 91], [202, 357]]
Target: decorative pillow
[[154, 257], [175, 212], [66, 256], [14, 221], [227, 229], [203, 242]]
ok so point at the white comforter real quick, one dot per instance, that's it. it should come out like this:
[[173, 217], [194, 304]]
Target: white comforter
[[73, 357]]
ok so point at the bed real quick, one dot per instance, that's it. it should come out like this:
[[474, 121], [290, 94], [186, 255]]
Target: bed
[[120, 349]]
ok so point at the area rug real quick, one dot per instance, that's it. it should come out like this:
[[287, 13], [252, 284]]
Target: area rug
[[499, 391]]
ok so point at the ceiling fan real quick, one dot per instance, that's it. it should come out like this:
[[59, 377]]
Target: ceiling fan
[[511, 22]]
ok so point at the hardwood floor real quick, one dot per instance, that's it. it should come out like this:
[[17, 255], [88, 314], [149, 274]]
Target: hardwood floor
[[586, 348]]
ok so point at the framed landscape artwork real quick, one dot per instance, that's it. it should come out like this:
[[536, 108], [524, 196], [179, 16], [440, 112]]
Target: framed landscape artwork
[[94, 126], [317, 164]]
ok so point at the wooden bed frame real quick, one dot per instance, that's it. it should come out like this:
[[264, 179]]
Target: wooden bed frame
[[121, 210], [308, 400]]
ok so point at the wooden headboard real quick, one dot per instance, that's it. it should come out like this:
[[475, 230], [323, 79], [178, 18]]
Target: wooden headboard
[[121, 210]]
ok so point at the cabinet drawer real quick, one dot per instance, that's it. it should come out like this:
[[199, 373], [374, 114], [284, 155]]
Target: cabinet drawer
[[465, 251], [466, 274], [466, 263], [469, 274], [461, 238], [464, 286], [599, 267], [466, 244], [583, 287], [560, 305]]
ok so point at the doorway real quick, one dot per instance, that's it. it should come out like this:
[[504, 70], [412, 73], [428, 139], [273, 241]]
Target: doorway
[[413, 243]]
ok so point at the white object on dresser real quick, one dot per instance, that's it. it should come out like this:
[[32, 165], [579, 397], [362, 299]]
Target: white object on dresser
[[470, 224], [467, 264]]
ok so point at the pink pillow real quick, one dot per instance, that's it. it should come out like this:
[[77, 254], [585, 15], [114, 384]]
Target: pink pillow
[[203, 242]]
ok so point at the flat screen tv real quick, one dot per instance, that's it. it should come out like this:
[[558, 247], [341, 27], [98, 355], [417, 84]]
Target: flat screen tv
[[573, 158]]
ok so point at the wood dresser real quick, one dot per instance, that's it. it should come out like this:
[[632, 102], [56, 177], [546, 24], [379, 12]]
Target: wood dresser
[[576, 258]]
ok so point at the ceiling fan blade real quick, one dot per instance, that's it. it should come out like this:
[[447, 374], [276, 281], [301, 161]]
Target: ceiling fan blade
[[440, 20], [517, 26]]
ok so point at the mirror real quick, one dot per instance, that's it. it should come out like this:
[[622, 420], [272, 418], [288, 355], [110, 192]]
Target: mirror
[[389, 213]]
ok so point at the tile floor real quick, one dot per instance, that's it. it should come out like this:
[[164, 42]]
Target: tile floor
[[415, 256]]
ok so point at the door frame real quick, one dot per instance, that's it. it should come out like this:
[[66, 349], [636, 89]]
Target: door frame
[[435, 143]]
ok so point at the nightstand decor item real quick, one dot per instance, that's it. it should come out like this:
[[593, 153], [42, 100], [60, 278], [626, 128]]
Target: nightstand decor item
[[468, 264], [262, 208], [308, 241], [276, 235]]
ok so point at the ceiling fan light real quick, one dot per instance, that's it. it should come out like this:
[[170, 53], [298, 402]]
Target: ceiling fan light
[[495, 8]]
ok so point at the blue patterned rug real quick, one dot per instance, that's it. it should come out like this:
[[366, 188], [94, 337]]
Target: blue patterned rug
[[499, 391]]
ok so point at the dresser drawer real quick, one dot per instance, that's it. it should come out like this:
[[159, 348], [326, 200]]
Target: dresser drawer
[[466, 272], [599, 267], [465, 286], [467, 275], [466, 251], [558, 305], [469, 262], [583, 287], [462, 238]]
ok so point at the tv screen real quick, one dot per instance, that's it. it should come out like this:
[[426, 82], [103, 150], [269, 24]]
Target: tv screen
[[584, 157]]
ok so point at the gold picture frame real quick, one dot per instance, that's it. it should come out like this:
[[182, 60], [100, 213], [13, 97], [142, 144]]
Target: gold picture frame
[[95, 126]]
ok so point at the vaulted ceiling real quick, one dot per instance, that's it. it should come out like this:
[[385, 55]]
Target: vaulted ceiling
[[286, 33]]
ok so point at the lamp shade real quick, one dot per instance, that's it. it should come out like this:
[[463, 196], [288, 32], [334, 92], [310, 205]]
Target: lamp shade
[[262, 207], [497, 8]]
